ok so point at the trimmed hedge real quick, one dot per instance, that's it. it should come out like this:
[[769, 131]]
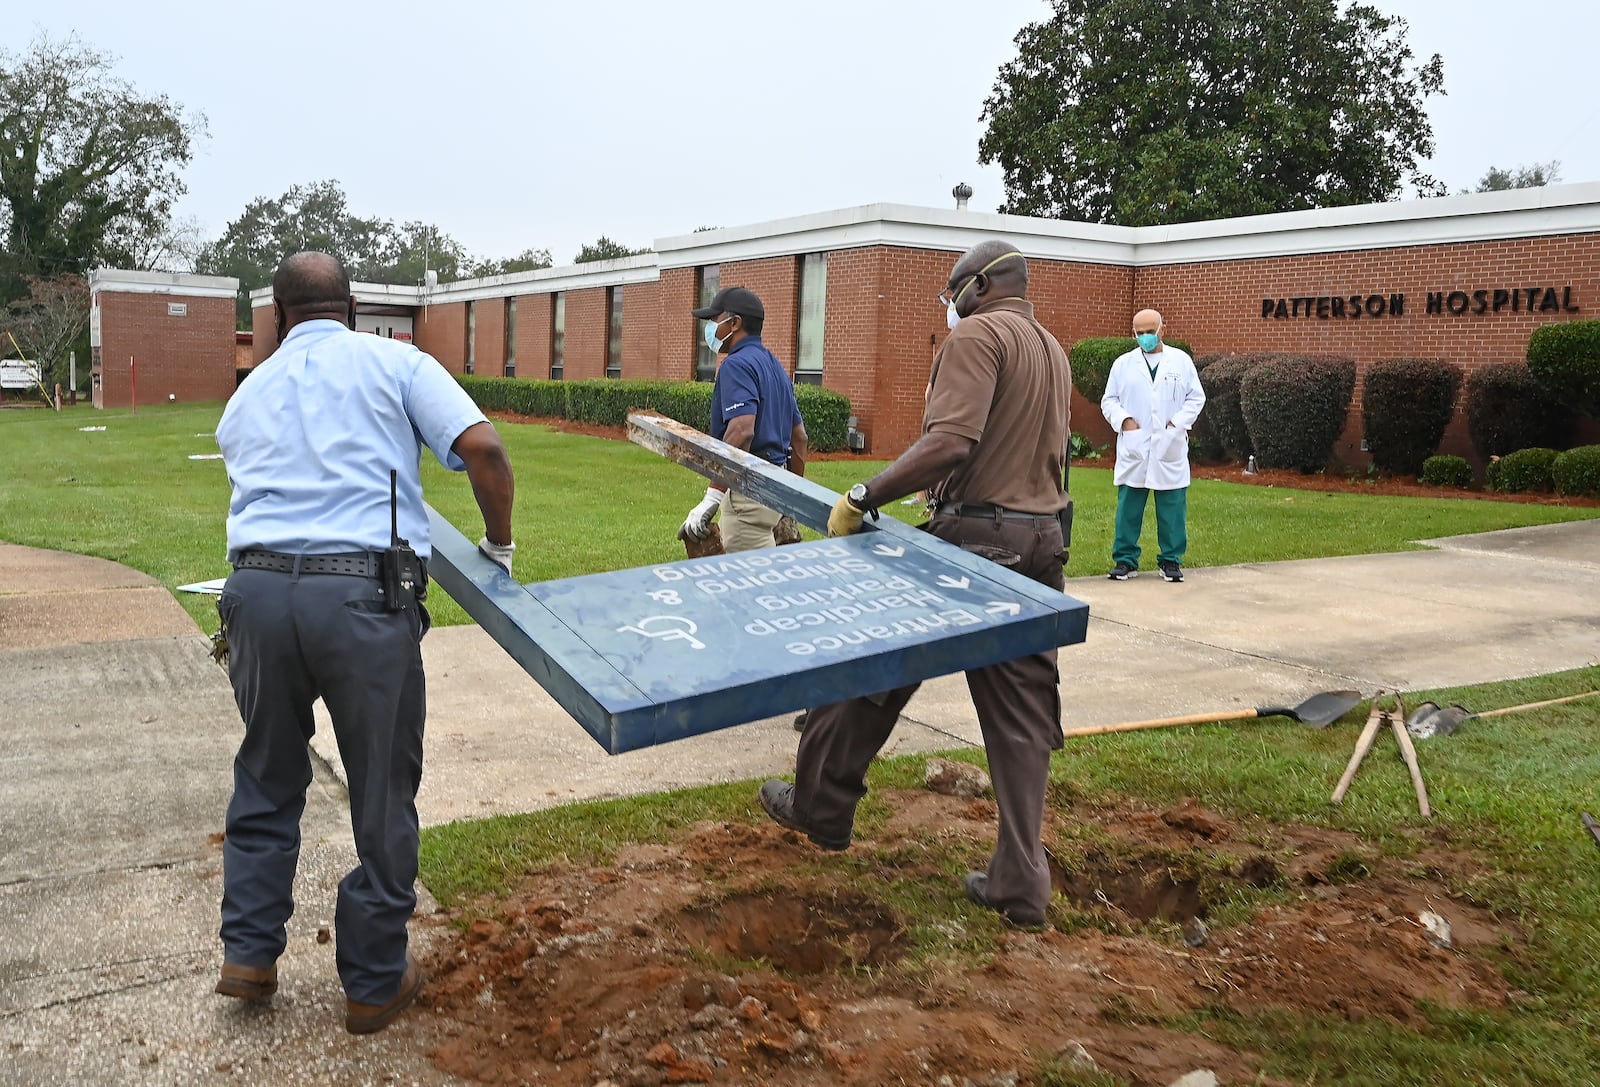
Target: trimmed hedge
[[1524, 470], [1221, 382], [1405, 406], [1204, 443], [1091, 361], [607, 403], [1577, 471], [1446, 471], [1295, 409], [1565, 360], [1507, 410]]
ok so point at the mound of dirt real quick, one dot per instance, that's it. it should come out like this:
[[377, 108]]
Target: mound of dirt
[[741, 954]]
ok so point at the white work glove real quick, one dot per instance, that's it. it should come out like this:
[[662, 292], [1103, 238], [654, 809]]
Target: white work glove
[[500, 553], [698, 523]]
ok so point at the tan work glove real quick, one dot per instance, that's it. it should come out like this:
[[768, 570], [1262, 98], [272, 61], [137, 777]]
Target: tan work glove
[[845, 520]]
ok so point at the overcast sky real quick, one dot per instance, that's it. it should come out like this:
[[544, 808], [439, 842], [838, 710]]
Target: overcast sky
[[517, 124]]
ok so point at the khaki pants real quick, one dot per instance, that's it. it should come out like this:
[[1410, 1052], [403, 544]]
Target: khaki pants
[[746, 523]]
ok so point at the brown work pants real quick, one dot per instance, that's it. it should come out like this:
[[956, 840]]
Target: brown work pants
[[1019, 712]]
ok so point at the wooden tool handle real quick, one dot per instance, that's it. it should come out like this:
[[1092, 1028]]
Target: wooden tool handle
[[1369, 733], [1409, 751], [1162, 722], [1536, 705]]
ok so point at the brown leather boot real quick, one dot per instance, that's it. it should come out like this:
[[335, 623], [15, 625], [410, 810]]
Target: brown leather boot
[[248, 982], [362, 1018]]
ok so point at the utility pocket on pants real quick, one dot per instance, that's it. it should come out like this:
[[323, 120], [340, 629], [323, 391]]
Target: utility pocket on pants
[[1000, 556]]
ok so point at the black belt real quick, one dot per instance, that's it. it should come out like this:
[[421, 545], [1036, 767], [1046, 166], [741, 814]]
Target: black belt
[[984, 509], [349, 563]]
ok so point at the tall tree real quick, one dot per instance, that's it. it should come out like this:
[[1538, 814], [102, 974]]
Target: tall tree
[[1523, 177], [88, 165], [419, 248], [314, 216], [1142, 112], [46, 321], [603, 248], [529, 260]]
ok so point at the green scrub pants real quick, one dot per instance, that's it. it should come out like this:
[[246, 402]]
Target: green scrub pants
[[1172, 511]]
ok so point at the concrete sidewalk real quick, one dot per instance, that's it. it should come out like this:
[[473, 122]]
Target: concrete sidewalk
[[117, 734]]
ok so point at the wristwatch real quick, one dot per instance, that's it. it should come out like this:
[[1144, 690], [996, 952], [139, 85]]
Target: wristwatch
[[857, 496]]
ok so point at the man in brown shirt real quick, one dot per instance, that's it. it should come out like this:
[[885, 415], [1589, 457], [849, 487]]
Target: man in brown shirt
[[994, 440]]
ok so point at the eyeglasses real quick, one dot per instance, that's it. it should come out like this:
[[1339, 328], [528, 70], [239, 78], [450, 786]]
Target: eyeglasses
[[948, 296]]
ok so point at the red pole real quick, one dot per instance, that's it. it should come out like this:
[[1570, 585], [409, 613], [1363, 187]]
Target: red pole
[[133, 387]]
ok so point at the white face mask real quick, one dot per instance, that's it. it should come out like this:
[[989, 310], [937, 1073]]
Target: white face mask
[[951, 317]]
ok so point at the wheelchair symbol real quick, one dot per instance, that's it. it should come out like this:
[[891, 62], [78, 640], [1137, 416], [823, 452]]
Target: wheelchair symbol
[[666, 627]]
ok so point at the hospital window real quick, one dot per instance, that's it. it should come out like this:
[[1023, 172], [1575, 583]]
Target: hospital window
[[558, 335], [813, 318]]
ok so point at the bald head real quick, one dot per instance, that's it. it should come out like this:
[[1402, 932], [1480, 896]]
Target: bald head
[[988, 271], [311, 282], [1146, 320]]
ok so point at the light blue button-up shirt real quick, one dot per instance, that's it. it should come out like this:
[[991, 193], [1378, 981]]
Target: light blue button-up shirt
[[310, 436]]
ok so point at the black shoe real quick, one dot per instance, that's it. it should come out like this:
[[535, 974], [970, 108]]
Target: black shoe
[[1122, 572], [1171, 571], [977, 891], [800, 720], [777, 797]]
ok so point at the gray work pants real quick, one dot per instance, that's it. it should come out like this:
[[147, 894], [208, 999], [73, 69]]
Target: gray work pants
[[291, 640], [1019, 712]]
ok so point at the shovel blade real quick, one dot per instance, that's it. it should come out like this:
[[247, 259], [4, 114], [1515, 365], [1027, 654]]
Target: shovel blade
[[1429, 720], [1321, 710]]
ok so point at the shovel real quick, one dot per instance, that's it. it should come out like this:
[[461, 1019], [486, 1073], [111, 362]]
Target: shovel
[[1429, 720], [1317, 711]]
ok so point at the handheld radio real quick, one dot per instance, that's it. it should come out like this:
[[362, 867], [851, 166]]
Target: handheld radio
[[403, 579]]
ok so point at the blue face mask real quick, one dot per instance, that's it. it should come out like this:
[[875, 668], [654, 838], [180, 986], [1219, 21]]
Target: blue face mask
[[713, 341], [1148, 341]]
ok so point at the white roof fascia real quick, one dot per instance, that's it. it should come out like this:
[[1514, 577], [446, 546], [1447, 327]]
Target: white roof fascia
[[568, 277], [122, 281], [901, 226], [1444, 220]]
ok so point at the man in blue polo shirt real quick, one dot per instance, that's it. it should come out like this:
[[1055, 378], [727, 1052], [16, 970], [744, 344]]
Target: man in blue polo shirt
[[753, 408], [316, 442]]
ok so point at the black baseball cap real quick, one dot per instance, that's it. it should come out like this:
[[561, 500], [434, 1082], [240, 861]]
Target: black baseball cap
[[739, 301]]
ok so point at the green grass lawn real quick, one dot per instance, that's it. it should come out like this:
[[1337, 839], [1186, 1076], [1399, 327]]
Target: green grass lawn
[[131, 494]]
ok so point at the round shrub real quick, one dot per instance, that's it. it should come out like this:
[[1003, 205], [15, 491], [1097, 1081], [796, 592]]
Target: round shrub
[[1565, 360], [1295, 408], [1523, 471], [1577, 471], [1204, 444], [1092, 358], [1507, 410], [1221, 380], [1446, 471], [1405, 406]]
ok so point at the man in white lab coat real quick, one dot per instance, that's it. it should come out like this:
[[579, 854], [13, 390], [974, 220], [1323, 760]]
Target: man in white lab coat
[[1152, 398]]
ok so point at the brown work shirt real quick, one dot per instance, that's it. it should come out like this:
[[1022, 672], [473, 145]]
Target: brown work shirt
[[1003, 380]]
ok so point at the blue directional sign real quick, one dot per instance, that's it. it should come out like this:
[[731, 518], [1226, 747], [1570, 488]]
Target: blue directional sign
[[645, 656]]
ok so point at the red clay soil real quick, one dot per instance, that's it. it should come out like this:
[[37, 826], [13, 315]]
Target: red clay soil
[[740, 954]]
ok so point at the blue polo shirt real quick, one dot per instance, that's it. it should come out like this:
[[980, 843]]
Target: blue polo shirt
[[751, 381], [310, 436]]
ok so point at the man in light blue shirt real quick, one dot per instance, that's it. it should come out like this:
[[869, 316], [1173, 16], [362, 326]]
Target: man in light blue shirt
[[319, 606]]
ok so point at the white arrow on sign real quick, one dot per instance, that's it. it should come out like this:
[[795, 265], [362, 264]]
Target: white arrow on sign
[[889, 552], [954, 582], [996, 607]]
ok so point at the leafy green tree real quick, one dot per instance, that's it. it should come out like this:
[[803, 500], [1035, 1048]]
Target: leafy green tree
[[1142, 112], [1522, 177], [603, 248], [418, 248], [88, 165], [528, 260]]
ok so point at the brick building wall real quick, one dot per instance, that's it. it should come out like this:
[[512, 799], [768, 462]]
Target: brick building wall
[[191, 356], [679, 333], [264, 334], [441, 331], [776, 281], [1217, 306], [533, 336], [489, 337], [641, 328], [584, 346]]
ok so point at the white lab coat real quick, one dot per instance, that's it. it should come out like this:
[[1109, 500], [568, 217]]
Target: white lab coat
[[1155, 455]]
